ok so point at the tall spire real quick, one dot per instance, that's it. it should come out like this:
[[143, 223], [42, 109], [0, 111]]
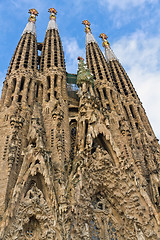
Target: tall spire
[[52, 23], [89, 35], [52, 52], [109, 54], [95, 59], [30, 27]]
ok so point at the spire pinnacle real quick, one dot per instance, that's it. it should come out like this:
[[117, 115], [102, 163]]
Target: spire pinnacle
[[52, 23], [87, 26], [109, 54], [33, 13], [89, 36], [30, 27], [105, 41], [53, 13]]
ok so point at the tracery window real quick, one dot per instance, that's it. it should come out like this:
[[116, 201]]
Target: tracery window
[[32, 229], [112, 231], [73, 132], [94, 234], [104, 224]]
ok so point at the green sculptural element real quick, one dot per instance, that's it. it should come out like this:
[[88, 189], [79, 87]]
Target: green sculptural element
[[83, 74]]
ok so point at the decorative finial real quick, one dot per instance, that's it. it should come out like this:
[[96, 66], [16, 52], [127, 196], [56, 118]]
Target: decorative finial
[[33, 13], [105, 41], [80, 59], [87, 26], [53, 13], [109, 54]]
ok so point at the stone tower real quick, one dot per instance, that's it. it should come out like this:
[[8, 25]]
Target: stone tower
[[79, 159]]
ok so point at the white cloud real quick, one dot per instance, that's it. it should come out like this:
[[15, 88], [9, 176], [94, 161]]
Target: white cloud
[[72, 51], [125, 4], [139, 53]]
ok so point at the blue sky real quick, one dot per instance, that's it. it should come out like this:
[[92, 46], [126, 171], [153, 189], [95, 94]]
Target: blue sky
[[133, 28]]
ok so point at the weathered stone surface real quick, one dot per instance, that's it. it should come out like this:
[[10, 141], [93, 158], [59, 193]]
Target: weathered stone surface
[[75, 168]]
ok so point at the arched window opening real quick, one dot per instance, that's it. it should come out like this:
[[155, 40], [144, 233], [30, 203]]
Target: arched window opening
[[62, 85], [28, 90], [105, 94], [91, 61], [43, 54], [19, 98], [73, 132], [111, 92], [86, 132], [132, 111], [108, 107], [55, 94], [12, 99], [37, 90], [98, 92], [55, 80], [22, 83], [48, 82], [29, 85], [48, 97], [126, 111], [14, 84], [159, 191], [37, 162]]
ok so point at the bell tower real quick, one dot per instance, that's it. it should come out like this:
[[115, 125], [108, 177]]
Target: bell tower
[[77, 162], [17, 94]]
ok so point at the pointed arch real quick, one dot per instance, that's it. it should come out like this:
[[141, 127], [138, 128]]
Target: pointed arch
[[106, 217], [101, 141], [30, 219], [37, 180]]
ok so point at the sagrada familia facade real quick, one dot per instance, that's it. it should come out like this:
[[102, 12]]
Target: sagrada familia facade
[[78, 157]]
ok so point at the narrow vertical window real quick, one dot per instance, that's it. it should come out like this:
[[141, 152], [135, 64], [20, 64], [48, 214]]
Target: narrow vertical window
[[19, 98], [99, 95], [105, 94], [73, 132], [55, 80], [48, 97], [48, 82], [86, 132], [22, 83], [132, 111], [37, 90]]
